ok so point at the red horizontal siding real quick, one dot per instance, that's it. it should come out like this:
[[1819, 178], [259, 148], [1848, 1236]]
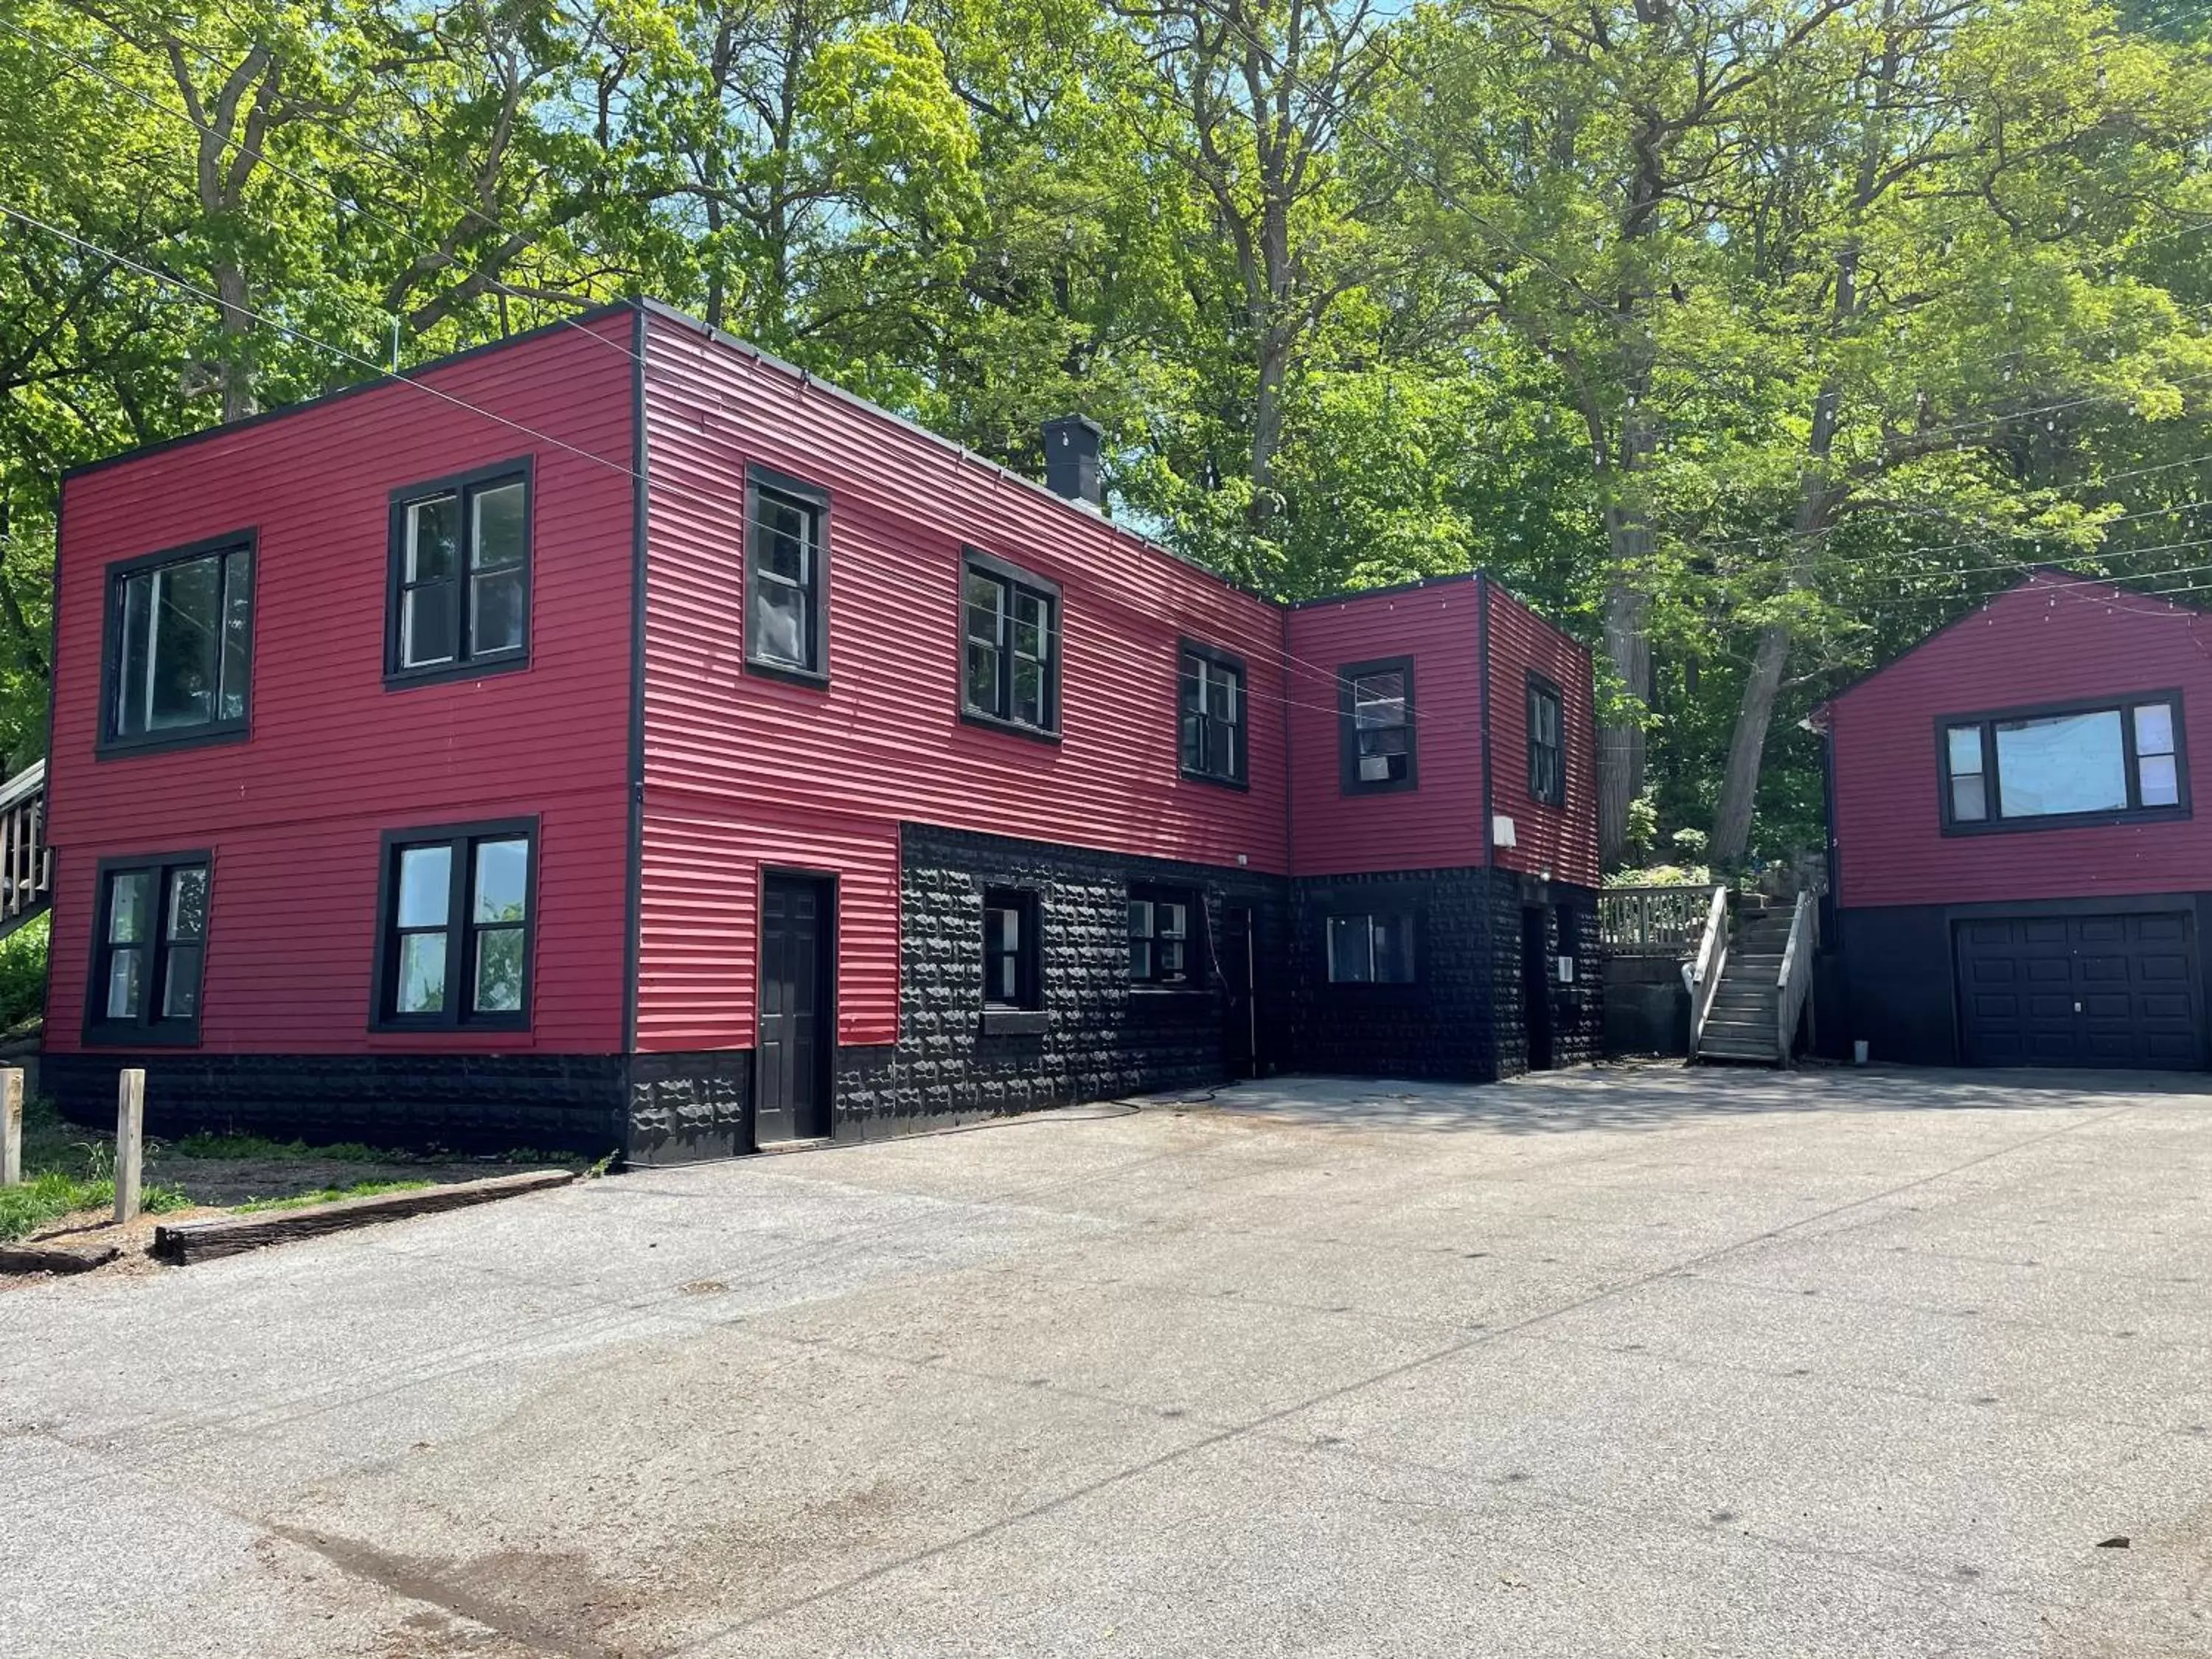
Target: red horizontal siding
[[1436, 825], [293, 814], [884, 743], [1556, 841], [703, 862], [2052, 639]]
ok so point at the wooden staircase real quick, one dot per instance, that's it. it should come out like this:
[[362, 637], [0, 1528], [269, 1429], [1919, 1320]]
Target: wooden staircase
[[1751, 979], [26, 864]]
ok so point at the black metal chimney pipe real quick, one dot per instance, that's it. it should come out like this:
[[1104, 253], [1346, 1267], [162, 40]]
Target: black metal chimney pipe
[[1071, 458]]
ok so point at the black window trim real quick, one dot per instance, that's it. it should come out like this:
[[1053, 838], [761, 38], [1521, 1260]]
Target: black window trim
[[1197, 957], [1240, 779], [1539, 684], [757, 478], [1379, 903], [146, 1032], [976, 559], [398, 678], [1349, 779], [1026, 1018], [109, 746], [454, 1017], [2124, 703]]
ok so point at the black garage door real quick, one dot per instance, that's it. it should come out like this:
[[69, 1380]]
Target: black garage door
[[2079, 991]]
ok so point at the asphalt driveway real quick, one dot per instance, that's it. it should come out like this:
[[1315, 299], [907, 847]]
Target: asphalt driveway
[[1609, 1363]]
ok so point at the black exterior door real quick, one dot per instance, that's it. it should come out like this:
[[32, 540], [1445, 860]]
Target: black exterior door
[[1536, 986], [791, 1089], [2066, 990], [1240, 1036]]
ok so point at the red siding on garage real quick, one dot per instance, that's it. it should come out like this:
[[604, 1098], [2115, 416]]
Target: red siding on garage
[[2054, 639], [1437, 825], [293, 815], [742, 771], [1562, 840]]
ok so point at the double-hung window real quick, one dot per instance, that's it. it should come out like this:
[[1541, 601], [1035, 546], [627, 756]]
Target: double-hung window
[[459, 599], [1010, 631], [1160, 937], [148, 944], [180, 646], [1211, 696], [454, 949], [2032, 768], [1011, 970], [787, 577], [1547, 771], [1375, 707], [1372, 948]]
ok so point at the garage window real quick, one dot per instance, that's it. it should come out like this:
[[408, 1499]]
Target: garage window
[[2034, 767]]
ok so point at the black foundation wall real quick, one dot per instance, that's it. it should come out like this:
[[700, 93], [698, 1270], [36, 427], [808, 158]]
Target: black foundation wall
[[1098, 1037], [1465, 1016], [1897, 992], [471, 1103]]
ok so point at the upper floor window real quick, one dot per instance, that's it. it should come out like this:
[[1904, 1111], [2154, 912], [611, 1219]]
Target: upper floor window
[[787, 577], [2055, 766], [459, 601], [1375, 707], [1011, 632], [453, 948], [1160, 943], [1547, 771], [1211, 691], [179, 644], [1374, 949], [147, 944]]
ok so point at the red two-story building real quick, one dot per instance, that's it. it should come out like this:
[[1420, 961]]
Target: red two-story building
[[618, 738], [2016, 872]]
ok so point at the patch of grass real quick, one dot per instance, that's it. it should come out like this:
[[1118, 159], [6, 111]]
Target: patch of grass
[[260, 1148], [55, 1193], [331, 1194]]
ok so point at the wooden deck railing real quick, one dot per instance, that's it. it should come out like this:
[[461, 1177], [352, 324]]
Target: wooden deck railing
[[1794, 982], [27, 867], [1652, 921]]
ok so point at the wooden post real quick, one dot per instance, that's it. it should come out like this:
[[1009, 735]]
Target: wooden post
[[11, 1125], [130, 1124]]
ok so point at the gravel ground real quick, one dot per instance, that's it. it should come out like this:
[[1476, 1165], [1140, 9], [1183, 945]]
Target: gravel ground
[[1619, 1361]]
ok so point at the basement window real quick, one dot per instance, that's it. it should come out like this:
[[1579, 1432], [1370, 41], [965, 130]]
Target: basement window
[[1372, 949], [454, 949], [1375, 710], [2039, 768], [1161, 946], [179, 642], [149, 944], [459, 605]]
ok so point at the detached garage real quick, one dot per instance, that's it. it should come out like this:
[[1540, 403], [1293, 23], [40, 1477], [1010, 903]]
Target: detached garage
[[2016, 875]]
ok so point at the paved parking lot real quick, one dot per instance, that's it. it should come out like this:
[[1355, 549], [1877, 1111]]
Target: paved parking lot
[[1609, 1363]]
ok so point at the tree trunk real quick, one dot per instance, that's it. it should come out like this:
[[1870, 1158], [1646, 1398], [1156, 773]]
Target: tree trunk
[[1620, 747], [238, 399], [1747, 746]]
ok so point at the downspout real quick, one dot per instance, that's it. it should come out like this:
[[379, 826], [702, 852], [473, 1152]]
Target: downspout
[[1489, 824], [1482, 667], [634, 875]]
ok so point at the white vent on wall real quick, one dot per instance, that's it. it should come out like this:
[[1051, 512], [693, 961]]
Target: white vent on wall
[[1501, 831]]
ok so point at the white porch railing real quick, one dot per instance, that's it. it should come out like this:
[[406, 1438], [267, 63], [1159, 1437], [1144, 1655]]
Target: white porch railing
[[1793, 980], [1703, 971], [27, 867]]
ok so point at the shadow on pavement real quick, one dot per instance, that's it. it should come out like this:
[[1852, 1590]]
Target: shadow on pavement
[[1633, 1094]]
